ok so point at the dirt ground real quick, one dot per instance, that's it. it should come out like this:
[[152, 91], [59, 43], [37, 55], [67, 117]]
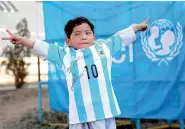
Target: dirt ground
[[14, 104], [19, 110]]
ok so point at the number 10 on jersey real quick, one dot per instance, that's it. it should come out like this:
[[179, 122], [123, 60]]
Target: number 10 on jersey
[[91, 70]]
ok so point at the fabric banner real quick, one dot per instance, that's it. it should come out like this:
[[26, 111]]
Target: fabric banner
[[149, 75]]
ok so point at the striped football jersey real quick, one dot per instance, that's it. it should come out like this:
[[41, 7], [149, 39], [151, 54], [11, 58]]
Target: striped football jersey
[[88, 75]]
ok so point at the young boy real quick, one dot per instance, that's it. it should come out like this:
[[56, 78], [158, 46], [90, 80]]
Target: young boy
[[92, 101]]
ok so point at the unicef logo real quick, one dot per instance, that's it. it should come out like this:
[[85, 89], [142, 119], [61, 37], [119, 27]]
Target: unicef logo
[[162, 41]]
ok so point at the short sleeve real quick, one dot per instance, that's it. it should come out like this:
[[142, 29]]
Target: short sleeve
[[122, 38], [49, 52]]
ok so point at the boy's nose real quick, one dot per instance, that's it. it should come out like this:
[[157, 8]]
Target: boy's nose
[[84, 37]]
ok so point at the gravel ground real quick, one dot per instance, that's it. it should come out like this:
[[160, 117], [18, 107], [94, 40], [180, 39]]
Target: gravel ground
[[19, 110]]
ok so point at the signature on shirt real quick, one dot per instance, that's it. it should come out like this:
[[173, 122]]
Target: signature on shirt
[[74, 71]]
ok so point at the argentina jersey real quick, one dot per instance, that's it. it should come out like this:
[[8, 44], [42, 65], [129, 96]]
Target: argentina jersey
[[88, 76]]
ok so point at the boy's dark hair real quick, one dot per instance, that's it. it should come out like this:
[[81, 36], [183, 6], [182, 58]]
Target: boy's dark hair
[[75, 22]]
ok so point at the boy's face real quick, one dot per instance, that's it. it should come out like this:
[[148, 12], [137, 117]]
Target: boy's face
[[81, 37]]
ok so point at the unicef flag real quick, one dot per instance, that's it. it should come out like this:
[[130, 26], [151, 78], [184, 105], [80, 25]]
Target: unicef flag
[[149, 75], [155, 88]]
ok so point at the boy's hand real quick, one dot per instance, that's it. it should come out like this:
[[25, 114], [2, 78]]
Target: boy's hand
[[15, 39], [141, 26]]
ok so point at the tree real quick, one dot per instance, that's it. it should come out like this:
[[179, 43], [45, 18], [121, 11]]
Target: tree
[[15, 63]]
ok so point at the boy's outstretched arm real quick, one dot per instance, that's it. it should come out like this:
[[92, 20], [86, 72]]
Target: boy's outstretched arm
[[125, 37], [40, 48], [128, 35], [15, 39], [40, 51]]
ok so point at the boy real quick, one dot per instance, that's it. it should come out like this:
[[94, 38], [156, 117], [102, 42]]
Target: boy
[[92, 101]]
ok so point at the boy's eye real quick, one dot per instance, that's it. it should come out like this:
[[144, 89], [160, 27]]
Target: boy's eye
[[77, 34], [88, 33]]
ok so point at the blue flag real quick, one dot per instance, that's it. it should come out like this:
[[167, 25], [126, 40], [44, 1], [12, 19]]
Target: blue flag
[[149, 75]]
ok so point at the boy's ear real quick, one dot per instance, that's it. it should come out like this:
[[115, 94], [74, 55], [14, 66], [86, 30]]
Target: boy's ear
[[68, 41], [94, 37]]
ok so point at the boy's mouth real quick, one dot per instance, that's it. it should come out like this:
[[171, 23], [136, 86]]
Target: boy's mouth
[[84, 43]]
